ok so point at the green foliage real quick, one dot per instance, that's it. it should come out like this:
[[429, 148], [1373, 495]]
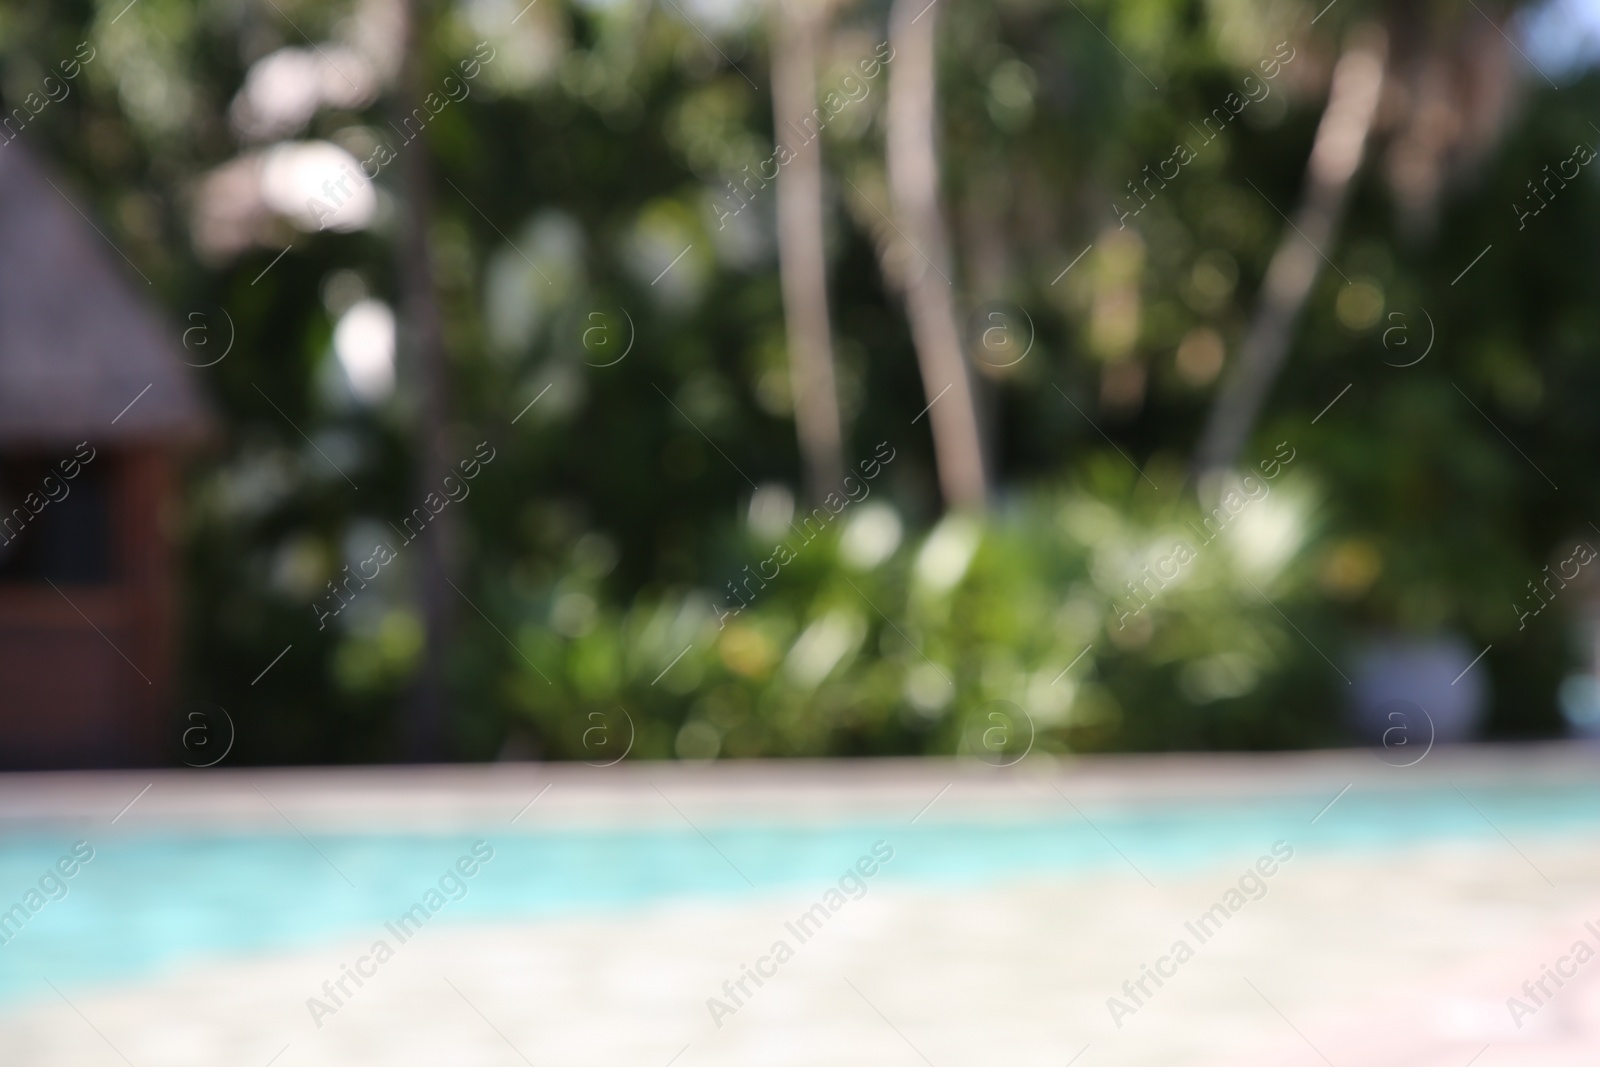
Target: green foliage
[[599, 544], [872, 642]]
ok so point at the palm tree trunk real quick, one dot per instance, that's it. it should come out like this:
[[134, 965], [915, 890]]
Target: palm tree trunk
[[913, 165], [1336, 155], [427, 713], [802, 264]]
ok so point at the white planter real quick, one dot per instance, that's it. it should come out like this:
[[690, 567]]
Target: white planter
[[1396, 676]]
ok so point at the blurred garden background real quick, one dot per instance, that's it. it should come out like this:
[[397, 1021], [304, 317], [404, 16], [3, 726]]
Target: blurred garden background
[[927, 294]]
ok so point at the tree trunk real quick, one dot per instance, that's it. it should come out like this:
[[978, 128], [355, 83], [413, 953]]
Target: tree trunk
[[423, 335], [801, 260], [1336, 155], [930, 295]]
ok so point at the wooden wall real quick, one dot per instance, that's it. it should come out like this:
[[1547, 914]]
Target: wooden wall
[[87, 671]]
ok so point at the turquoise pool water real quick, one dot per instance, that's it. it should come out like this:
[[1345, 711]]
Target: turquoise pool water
[[150, 900]]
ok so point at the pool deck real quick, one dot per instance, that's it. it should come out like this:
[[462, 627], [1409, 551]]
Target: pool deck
[[1354, 960], [636, 793]]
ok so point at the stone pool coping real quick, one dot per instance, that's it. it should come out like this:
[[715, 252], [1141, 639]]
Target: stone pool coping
[[650, 793]]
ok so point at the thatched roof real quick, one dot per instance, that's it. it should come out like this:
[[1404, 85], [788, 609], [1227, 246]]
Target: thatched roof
[[79, 337]]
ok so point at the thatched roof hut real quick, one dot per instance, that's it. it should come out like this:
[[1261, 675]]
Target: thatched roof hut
[[79, 338], [96, 406]]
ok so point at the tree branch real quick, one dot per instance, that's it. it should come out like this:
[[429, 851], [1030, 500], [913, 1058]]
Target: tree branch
[[913, 165], [802, 264], [1336, 155]]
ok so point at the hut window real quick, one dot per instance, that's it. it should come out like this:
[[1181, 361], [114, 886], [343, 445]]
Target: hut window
[[54, 530]]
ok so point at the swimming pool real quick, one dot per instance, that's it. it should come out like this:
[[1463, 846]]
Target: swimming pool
[[154, 898]]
